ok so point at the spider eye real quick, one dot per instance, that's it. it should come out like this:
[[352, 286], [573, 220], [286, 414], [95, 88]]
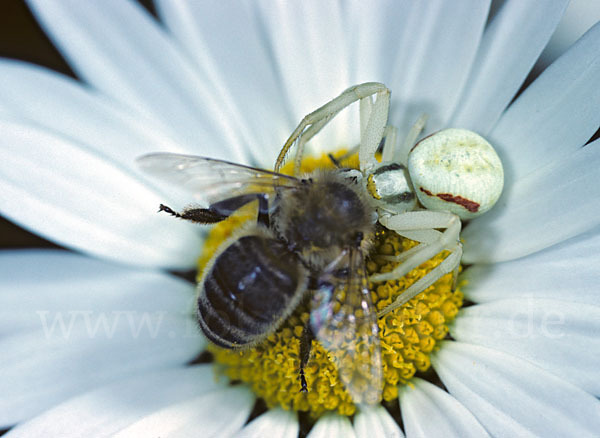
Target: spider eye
[[456, 170]]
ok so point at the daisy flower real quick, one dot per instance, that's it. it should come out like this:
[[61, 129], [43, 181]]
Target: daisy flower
[[101, 341]]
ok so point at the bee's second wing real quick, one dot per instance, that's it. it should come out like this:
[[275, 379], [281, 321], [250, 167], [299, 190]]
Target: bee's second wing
[[210, 179], [344, 321]]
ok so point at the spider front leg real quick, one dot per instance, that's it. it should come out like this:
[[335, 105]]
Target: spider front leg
[[421, 226], [396, 152], [371, 134]]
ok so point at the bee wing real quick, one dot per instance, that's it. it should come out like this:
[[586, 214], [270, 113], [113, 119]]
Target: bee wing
[[210, 179], [344, 321]]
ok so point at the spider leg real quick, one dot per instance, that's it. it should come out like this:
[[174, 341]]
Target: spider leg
[[393, 151], [423, 224], [419, 257], [401, 154], [305, 136], [389, 144], [404, 255], [365, 107], [449, 264], [372, 130], [423, 236], [315, 121]]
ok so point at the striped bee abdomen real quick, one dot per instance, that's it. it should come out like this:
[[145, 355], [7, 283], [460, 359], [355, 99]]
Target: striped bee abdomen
[[249, 289]]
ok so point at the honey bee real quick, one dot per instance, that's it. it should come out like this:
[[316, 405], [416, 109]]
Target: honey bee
[[311, 236]]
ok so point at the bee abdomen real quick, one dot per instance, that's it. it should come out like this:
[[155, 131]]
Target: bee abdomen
[[250, 288]]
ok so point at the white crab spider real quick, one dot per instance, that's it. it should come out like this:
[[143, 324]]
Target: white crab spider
[[454, 173]]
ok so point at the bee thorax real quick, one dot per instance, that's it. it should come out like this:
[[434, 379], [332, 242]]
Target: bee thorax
[[324, 217]]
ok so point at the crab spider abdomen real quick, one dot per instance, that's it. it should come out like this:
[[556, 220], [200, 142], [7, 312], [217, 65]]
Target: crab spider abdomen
[[456, 170]]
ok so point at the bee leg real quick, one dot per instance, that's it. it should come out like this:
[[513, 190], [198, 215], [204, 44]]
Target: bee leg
[[197, 215], [305, 347], [223, 209], [169, 210], [227, 207], [263, 209]]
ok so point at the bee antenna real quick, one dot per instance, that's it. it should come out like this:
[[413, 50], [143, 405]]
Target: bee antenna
[[334, 160]]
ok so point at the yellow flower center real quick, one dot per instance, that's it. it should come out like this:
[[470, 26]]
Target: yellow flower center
[[407, 335]]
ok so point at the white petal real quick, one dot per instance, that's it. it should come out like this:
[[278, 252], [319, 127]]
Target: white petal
[[332, 426], [275, 423], [566, 271], [555, 115], [66, 108], [430, 411], [376, 422], [512, 397], [51, 281], [220, 413], [105, 334], [372, 55], [84, 200], [41, 368], [559, 336], [510, 45], [61, 104], [104, 411], [579, 17], [550, 205], [118, 48], [224, 39], [433, 60], [309, 44]]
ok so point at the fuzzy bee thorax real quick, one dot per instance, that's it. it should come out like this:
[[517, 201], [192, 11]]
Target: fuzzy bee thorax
[[324, 216]]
